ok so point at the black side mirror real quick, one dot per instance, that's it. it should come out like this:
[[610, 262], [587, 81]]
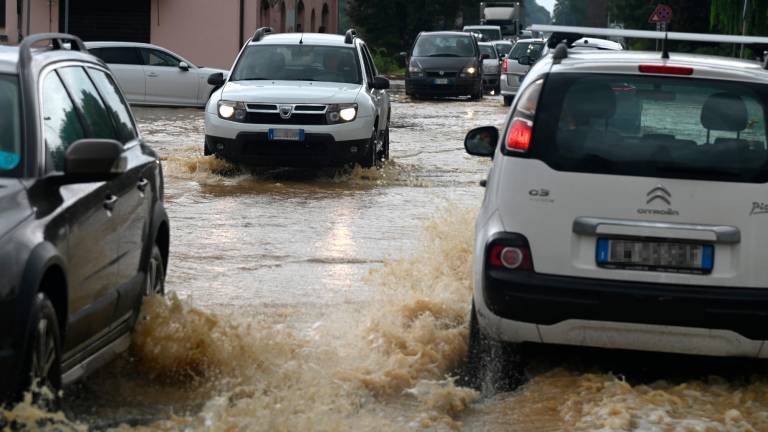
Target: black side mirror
[[216, 79], [94, 159], [404, 58], [482, 141], [184, 66], [380, 83], [526, 60], [485, 56]]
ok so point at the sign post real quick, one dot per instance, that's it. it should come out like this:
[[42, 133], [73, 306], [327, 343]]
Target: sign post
[[661, 16]]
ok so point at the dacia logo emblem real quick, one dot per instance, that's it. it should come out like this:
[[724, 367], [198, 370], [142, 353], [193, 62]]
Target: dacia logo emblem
[[286, 111]]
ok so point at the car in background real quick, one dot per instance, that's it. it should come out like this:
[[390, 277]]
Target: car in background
[[152, 75], [491, 67], [511, 69], [503, 47], [444, 64], [489, 32], [300, 99], [83, 230], [602, 231]]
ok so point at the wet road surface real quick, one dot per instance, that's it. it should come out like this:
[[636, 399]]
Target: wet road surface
[[306, 300]]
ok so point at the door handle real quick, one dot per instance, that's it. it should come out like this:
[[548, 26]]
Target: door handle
[[142, 185], [152, 75], [110, 201]]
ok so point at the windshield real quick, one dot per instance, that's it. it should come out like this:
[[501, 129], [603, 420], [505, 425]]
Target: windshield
[[532, 50], [488, 34], [503, 48], [653, 127], [10, 126], [487, 49], [444, 46], [298, 63]]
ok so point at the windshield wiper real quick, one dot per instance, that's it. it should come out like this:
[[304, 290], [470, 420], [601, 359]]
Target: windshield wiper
[[443, 55], [252, 79]]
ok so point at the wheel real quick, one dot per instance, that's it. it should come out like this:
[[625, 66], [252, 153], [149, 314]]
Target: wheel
[[43, 356], [206, 150], [478, 95], [155, 282], [508, 100], [370, 156], [492, 366], [384, 153]]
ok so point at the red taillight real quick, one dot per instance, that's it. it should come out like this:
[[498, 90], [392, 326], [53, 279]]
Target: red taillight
[[511, 257], [505, 65], [666, 70], [519, 135]]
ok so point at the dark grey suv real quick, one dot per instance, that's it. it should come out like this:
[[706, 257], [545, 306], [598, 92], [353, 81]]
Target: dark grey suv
[[83, 231]]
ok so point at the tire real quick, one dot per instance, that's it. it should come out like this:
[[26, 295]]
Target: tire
[[42, 363], [478, 95], [492, 366], [155, 280], [384, 153], [370, 157], [508, 100]]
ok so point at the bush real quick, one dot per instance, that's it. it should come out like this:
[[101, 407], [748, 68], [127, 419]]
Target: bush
[[386, 64]]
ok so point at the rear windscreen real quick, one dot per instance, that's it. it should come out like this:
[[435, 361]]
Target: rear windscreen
[[532, 50], [653, 126]]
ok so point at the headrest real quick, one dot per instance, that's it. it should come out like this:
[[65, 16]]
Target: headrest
[[724, 112], [586, 101]]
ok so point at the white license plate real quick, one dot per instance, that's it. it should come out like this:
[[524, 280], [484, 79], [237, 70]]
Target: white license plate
[[655, 255], [441, 81], [286, 134]]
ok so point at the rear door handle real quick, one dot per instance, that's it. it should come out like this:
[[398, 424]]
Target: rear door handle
[[152, 75], [110, 201], [142, 185]]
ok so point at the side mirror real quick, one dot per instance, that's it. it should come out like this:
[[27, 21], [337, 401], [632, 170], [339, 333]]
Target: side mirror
[[94, 159], [482, 141], [404, 58], [184, 66], [216, 79], [485, 56], [526, 60], [403, 54], [380, 83]]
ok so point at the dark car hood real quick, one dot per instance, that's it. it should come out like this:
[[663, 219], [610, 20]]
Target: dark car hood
[[14, 207], [448, 64]]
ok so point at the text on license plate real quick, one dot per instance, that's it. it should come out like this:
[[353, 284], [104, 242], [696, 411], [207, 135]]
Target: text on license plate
[[441, 81], [655, 255], [286, 134]]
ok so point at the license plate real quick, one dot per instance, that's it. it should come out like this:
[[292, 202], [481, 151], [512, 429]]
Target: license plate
[[441, 81], [286, 134], [655, 256]]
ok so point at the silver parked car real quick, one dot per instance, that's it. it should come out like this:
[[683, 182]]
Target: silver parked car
[[152, 75], [491, 67]]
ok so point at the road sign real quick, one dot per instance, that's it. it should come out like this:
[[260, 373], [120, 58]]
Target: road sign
[[662, 14]]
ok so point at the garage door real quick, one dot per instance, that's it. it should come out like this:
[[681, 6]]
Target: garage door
[[102, 20]]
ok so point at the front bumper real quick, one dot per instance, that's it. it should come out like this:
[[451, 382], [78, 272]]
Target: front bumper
[[510, 84], [455, 86], [725, 321], [317, 150]]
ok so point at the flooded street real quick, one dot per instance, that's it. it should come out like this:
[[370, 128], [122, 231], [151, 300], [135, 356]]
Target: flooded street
[[334, 301]]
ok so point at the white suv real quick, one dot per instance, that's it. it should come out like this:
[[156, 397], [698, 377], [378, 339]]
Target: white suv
[[626, 207], [300, 100]]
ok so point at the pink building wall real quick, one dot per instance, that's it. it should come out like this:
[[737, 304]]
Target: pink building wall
[[44, 18]]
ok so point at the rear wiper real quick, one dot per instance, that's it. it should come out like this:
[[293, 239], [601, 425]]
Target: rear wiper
[[690, 169]]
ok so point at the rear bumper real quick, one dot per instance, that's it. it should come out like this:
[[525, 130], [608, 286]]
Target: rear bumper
[[532, 307], [317, 150], [455, 87]]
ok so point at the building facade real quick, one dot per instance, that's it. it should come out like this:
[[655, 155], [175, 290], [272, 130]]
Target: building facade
[[207, 32]]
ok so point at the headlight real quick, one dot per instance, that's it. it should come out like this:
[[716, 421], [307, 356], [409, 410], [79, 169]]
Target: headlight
[[234, 111], [341, 113], [414, 70], [469, 72]]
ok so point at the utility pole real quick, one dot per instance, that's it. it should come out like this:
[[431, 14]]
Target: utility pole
[[743, 26]]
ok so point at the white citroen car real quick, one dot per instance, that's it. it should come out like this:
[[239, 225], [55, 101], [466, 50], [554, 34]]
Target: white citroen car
[[626, 207], [152, 75], [300, 100]]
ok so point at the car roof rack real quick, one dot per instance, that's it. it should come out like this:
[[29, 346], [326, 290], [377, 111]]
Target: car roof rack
[[57, 43], [350, 36], [260, 33]]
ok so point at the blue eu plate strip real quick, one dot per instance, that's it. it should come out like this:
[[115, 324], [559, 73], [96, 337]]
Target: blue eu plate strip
[[9, 161], [708, 257], [301, 135], [271, 134], [602, 250]]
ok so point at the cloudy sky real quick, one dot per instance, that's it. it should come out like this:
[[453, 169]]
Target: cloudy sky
[[549, 4]]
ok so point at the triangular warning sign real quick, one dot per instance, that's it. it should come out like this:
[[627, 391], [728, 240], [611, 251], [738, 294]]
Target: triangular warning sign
[[662, 14]]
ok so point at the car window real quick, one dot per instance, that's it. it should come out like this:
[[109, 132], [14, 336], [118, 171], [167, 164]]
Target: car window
[[153, 57], [118, 109], [653, 126], [487, 49], [10, 125], [520, 49], [96, 119], [503, 48], [299, 63], [444, 46], [116, 55], [61, 124], [370, 68]]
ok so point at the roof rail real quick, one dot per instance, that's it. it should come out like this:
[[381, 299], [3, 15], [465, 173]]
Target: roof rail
[[647, 34], [57, 41], [350, 36], [260, 33]]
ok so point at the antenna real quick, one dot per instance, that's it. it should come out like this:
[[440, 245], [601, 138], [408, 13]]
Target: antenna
[[301, 39], [664, 47]]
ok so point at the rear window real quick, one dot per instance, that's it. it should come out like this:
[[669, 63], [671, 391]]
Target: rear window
[[653, 126], [520, 49], [118, 55], [486, 49], [444, 46]]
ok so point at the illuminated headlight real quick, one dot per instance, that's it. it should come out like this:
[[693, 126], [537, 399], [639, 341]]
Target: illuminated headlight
[[470, 70], [234, 111], [341, 113]]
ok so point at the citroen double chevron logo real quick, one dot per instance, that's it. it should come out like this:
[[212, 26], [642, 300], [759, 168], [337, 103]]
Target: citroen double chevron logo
[[659, 193]]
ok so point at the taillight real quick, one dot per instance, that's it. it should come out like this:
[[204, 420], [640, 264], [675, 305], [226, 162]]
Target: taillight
[[505, 65], [519, 135], [510, 257], [666, 70]]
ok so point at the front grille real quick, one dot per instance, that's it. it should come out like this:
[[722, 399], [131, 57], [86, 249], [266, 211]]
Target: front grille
[[310, 108], [295, 119], [262, 107], [444, 75]]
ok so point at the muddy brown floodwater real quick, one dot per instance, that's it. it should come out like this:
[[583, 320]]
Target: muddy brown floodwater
[[334, 301]]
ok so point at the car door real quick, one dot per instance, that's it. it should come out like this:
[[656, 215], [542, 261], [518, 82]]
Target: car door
[[380, 97], [128, 68], [90, 213], [167, 83], [135, 195]]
